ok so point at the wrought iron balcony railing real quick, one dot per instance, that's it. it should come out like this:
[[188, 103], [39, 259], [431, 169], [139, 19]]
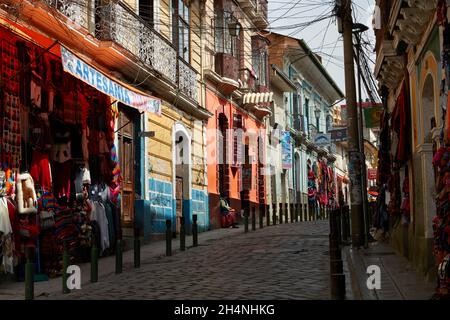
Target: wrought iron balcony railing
[[75, 10], [116, 22], [187, 80]]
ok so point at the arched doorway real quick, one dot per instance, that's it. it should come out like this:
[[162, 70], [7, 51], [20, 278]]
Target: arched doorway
[[428, 109], [182, 175], [425, 181]]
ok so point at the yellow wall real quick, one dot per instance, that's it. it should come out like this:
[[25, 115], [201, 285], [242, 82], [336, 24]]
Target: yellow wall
[[159, 148], [165, 19]]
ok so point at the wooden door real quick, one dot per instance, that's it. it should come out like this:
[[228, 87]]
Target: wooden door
[[127, 154], [179, 201]]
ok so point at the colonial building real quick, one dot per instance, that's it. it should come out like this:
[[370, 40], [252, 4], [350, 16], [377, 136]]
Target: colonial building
[[308, 183], [412, 71], [151, 47], [236, 81]]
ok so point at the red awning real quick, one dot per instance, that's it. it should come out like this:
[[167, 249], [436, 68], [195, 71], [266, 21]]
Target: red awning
[[30, 35]]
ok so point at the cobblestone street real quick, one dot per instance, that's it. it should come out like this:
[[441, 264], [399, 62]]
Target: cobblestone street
[[288, 261]]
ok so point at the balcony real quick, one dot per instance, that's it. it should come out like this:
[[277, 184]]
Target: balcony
[[225, 73], [259, 103], [120, 24], [227, 65], [117, 42], [256, 11], [407, 22], [76, 11], [261, 15], [187, 80], [247, 79]]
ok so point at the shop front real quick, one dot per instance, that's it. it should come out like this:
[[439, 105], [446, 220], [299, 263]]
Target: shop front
[[68, 148]]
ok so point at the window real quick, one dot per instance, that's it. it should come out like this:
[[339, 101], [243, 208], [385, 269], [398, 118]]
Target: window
[[260, 65], [227, 34], [237, 140], [180, 29], [296, 110], [146, 11], [306, 123], [329, 122]]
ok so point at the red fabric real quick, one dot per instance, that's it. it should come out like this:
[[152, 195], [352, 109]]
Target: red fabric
[[40, 170], [62, 184], [400, 126], [228, 220]]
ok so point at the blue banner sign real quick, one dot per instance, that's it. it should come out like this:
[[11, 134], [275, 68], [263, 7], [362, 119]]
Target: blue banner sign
[[81, 70]]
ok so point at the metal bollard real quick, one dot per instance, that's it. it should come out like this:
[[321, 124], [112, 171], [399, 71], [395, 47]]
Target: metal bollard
[[182, 234], [274, 214], [119, 256], [267, 215], [292, 213], [168, 237], [194, 231], [336, 266], [245, 220], [29, 275], [66, 261], [94, 261], [137, 247], [253, 218], [281, 213], [338, 286], [289, 214], [262, 209]]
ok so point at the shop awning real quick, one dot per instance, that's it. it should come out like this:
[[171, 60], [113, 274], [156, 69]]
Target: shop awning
[[257, 98], [114, 88]]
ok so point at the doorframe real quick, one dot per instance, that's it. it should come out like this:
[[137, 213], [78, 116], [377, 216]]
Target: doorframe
[[139, 152], [179, 127]]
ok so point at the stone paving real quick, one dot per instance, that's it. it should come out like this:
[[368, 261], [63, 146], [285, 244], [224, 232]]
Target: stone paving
[[399, 280], [283, 262]]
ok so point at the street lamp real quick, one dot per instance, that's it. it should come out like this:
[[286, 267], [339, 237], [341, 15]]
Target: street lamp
[[357, 29], [317, 114]]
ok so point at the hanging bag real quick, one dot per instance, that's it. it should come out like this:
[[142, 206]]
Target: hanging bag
[[47, 219]]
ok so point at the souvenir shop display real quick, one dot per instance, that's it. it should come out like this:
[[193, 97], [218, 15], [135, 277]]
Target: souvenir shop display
[[322, 183], [59, 171], [441, 222], [441, 163], [312, 188]]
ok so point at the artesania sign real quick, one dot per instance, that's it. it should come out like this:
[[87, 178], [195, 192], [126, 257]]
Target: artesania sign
[[78, 68]]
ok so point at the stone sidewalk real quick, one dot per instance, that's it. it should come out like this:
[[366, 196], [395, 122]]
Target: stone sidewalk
[[399, 280]]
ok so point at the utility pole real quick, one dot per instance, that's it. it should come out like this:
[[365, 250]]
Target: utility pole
[[356, 206], [364, 228]]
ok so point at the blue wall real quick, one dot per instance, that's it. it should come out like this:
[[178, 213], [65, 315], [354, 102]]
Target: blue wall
[[163, 206], [200, 207]]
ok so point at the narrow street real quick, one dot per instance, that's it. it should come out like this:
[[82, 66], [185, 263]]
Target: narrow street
[[282, 262], [289, 261]]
